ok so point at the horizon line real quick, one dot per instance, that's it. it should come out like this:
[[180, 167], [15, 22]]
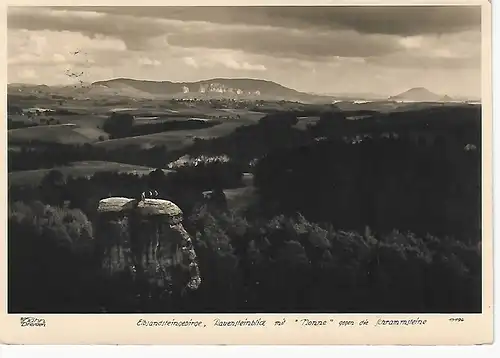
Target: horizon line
[[327, 94]]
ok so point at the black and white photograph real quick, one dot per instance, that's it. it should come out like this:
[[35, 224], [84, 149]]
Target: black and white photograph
[[245, 159]]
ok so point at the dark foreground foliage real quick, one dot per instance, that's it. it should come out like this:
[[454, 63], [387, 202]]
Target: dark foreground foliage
[[382, 183], [285, 264]]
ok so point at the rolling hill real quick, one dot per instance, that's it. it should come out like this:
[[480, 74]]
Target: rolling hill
[[77, 169], [60, 133], [212, 88], [173, 140], [420, 94], [216, 88]]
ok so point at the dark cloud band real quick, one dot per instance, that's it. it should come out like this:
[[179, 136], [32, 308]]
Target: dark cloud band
[[394, 20]]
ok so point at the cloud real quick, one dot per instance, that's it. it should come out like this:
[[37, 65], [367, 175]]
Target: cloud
[[230, 62], [129, 30], [145, 61], [395, 20], [46, 40], [449, 51], [230, 59], [58, 58], [46, 47], [282, 31], [191, 62], [291, 43], [409, 61], [244, 66], [27, 74]]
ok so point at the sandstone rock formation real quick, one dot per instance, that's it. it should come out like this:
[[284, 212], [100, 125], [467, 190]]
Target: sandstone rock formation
[[146, 238]]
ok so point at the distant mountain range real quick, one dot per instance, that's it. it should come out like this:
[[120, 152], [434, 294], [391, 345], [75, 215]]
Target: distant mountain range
[[420, 94], [213, 88], [238, 88], [242, 88]]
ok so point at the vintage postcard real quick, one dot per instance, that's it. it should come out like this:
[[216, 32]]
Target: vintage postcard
[[247, 173]]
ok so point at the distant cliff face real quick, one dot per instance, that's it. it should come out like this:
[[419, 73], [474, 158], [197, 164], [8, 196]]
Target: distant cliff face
[[221, 85], [420, 94], [217, 87]]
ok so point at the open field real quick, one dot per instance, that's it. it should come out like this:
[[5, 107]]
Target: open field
[[136, 107], [246, 114], [80, 122], [77, 169], [392, 106], [165, 119], [240, 198], [303, 122], [174, 140], [57, 133]]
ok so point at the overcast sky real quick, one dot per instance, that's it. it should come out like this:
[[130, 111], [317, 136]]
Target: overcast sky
[[313, 49]]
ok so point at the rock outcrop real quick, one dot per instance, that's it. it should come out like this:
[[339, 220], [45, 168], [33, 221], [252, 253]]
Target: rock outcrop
[[147, 239]]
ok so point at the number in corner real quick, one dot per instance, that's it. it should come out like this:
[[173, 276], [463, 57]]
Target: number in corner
[[32, 322], [458, 319]]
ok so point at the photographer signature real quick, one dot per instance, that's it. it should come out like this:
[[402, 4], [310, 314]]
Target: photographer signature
[[32, 322]]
